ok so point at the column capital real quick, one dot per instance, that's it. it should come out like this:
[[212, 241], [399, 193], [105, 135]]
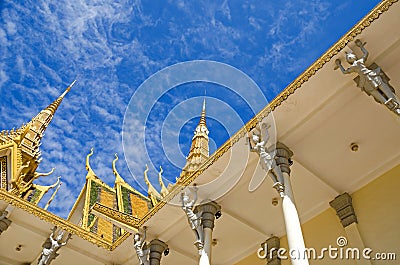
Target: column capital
[[344, 209], [273, 243], [157, 248], [4, 221], [209, 211], [283, 157]]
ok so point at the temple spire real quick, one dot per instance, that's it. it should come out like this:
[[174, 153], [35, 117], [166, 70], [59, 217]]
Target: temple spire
[[31, 141], [203, 114], [199, 151], [54, 105]]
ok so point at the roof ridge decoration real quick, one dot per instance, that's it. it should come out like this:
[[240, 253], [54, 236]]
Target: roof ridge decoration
[[151, 191], [37, 175], [54, 193], [118, 178], [89, 169], [164, 190]]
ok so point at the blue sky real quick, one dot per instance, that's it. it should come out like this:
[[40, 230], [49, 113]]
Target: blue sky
[[113, 48]]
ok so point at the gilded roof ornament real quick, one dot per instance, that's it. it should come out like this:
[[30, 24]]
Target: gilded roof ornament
[[164, 189], [54, 193], [18, 177], [88, 167], [151, 191], [37, 175], [118, 178], [47, 188]]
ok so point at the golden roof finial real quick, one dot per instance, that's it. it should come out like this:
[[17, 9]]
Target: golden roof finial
[[42, 191], [152, 192], [146, 178], [164, 190], [88, 167], [118, 178], [54, 193]]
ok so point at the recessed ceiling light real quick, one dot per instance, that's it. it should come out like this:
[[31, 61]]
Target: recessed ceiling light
[[354, 147], [275, 201]]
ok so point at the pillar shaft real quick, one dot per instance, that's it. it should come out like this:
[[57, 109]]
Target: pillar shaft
[[293, 228], [208, 241], [290, 214], [204, 258]]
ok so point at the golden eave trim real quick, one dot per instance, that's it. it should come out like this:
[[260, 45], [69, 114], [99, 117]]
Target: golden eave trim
[[289, 90], [54, 219]]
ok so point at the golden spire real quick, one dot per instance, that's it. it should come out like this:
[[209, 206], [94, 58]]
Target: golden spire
[[203, 114], [54, 105], [31, 140], [118, 178], [199, 151]]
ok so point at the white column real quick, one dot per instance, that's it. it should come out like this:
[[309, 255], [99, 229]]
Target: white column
[[207, 241], [204, 259], [290, 214], [293, 228], [208, 212]]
